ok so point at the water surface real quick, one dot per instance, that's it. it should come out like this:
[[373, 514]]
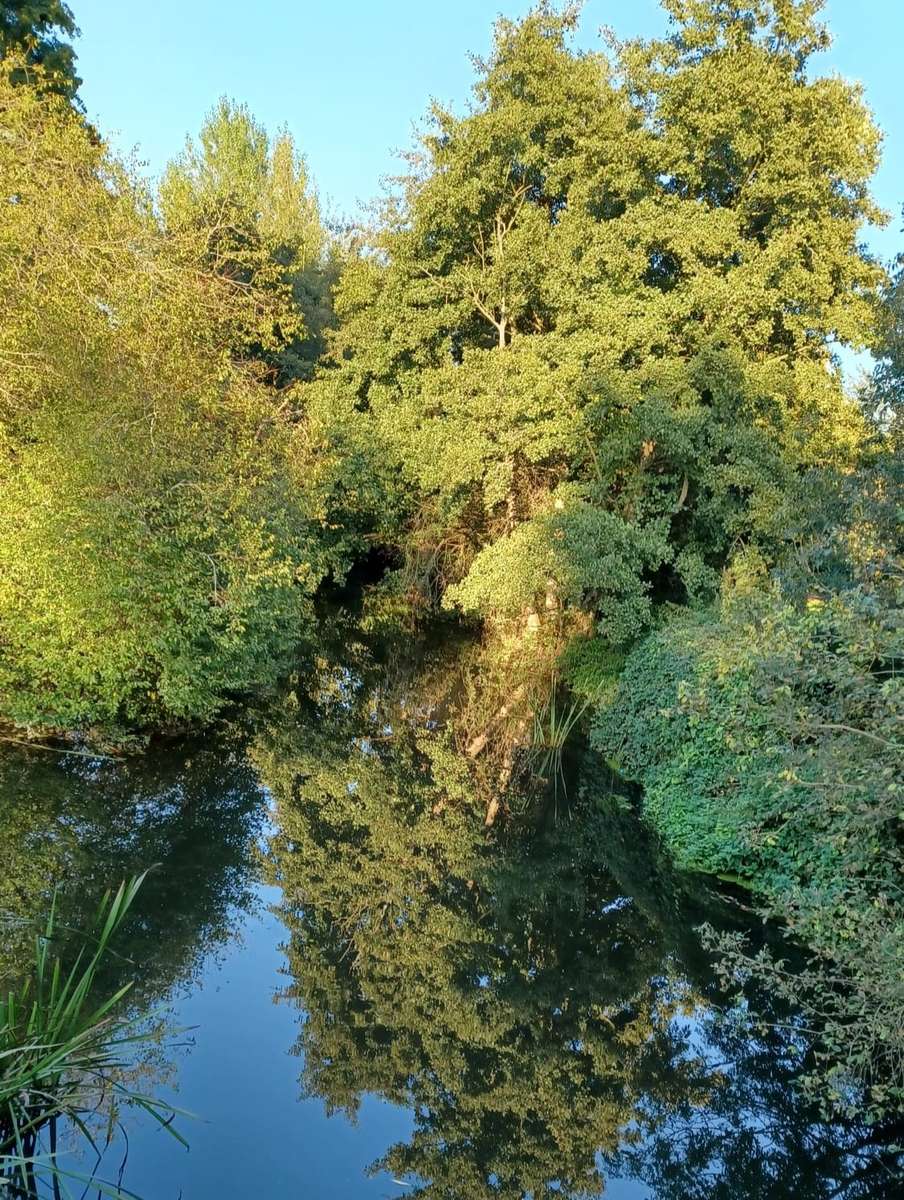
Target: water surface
[[381, 998]]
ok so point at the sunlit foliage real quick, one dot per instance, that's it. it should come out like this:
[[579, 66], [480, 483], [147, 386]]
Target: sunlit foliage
[[155, 556], [250, 205], [596, 333]]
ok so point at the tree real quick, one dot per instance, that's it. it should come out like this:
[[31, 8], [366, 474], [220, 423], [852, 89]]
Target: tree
[[36, 29], [156, 556], [596, 329], [253, 202]]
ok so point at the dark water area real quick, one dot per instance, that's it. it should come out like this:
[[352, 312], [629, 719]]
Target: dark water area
[[369, 994]]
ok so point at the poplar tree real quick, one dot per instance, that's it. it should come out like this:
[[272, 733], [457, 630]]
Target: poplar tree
[[252, 201]]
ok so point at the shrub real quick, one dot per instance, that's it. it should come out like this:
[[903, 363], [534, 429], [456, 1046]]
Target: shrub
[[767, 739]]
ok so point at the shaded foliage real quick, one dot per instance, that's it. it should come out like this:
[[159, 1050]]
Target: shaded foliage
[[767, 738], [37, 31]]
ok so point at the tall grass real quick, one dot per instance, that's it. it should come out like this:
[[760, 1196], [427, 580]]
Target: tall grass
[[63, 1056], [553, 726]]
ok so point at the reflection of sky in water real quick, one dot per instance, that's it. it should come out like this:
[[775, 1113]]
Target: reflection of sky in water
[[209, 950], [250, 1134]]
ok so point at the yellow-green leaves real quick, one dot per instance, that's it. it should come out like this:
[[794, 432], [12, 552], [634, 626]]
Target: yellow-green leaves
[[244, 206], [149, 532]]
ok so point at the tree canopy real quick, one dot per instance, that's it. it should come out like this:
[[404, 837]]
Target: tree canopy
[[597, 329], [155, 555], [38, 31], [578, 382], [249, 201]]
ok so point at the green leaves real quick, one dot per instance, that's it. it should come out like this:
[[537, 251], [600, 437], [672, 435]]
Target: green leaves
[[768, 743], [32, 36], [156, 557], [244, 206], [62, 1051], [623, 276]]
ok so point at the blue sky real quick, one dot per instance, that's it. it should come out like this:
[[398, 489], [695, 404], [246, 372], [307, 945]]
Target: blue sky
[[351, 77]]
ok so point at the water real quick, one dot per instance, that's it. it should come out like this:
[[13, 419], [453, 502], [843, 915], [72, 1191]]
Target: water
[[378, 998]]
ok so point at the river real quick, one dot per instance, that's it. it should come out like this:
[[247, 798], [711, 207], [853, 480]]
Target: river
[[368, 994]]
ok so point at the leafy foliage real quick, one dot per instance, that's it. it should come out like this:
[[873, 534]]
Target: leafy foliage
[[33, 34], [767, 738], [595, 333], [155, 555], [250, 205], [887, 391], [584, 380]]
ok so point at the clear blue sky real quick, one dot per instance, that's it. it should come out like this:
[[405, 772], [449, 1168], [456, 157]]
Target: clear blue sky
[[350, 77]]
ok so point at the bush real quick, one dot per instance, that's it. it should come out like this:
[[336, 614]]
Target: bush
[[155, 553], [767, 739]]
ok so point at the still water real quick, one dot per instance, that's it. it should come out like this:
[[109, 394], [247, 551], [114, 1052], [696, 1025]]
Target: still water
[[370, 995]]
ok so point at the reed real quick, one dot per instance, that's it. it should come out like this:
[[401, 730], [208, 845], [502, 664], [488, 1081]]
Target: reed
[[553, 726], [63, 1056]]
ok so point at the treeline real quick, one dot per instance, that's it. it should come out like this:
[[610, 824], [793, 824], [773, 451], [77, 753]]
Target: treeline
[[163, 526], [579, 382]]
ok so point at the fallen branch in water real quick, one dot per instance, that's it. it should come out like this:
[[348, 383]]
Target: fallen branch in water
[[55, 750]]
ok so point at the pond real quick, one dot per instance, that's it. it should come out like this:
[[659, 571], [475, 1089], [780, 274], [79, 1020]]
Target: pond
[[368, 993]]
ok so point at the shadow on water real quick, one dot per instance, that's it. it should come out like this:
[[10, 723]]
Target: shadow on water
[[536, 996]]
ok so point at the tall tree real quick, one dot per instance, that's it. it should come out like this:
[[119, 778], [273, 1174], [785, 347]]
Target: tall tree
[[253, 200], [597, 333]]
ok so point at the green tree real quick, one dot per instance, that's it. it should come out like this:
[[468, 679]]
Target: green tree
[[155, 554], [596, 332], [252, 200], [37, 30]]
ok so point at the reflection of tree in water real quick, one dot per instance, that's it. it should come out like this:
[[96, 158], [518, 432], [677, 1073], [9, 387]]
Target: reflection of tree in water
[[538, 997], [756, 1137], [535, 1001], [80, 826], [84, 824]]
